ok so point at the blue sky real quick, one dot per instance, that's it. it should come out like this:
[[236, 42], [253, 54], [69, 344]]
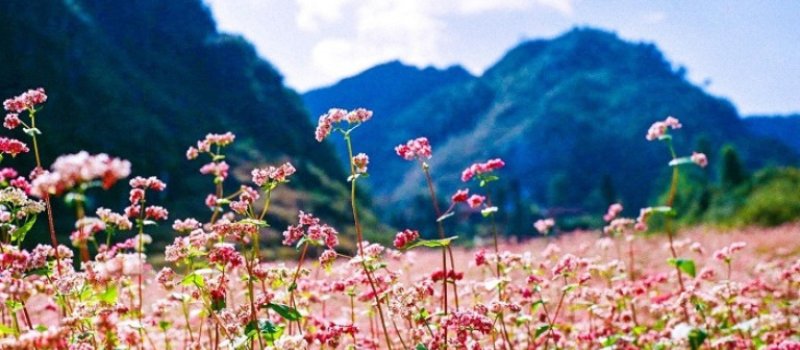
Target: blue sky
[[746, 51]]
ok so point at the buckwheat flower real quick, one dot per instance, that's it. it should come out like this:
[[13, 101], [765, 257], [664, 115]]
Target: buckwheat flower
[[155, 212], [25, 101], [211, 201], [336, 115], [327, 258], [12, 146], [11, 121], [418, 148], [481, 168], [659, 128], [187, 225], [403, 238], [152, 183], [225, 254], [360, 162], [359, 115], [460, 196], [192, 153], [272, 174], [166, 278], [700, 159], [544, 225], [292, 234], [218, 169], [475, 201], [613, 210]]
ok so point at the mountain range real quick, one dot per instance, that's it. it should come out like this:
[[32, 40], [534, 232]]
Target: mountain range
[[568, 115]]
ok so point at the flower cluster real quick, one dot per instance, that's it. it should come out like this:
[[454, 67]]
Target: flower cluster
[[272, 174], [312, 231], [26, 101], [405, 237], [72, 170], [481, 168], [660, 128], [205, 145], [328, 121], [418, 148]]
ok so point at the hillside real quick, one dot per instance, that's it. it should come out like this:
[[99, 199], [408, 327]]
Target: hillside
[[146, 80], [780, 127], [566, 115]]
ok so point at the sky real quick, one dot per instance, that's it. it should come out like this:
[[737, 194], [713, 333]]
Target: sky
[[745, 51]]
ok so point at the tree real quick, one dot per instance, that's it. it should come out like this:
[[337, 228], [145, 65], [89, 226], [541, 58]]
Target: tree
[[732, 172]]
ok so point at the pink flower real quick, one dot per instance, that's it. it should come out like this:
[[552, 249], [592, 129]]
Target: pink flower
[[700, 159], [192, 153], [12, 146], [613, 210], [403, 238], [25, 101], [360, 162], [460, 196], [418, 148], [475, 201], [544, 225], [12, 121], [327, 257], [659, 128], [481, 168], [272, 174], [336, 115], [152, 183], [218, 169]]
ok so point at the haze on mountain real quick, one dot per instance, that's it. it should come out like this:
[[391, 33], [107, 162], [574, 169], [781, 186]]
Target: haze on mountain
[[568, 115]]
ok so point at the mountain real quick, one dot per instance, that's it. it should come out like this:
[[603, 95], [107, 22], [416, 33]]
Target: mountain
[[568, 115], [785, 128], [146, 80]]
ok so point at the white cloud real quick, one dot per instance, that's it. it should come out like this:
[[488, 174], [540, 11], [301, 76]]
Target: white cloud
[[312, 13], [373, 31]]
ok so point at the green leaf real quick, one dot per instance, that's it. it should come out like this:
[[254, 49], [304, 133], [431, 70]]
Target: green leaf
[[431, 243], [270, 331], [193, 279], [486, 212], [109, 296], [610, 341], [255, 222], [680, 161], [218, 304], [421, 346], [287, 312], [685, 265], [4, 330], [445, 216], [13, 305], [41, 271], [541, 329], [19, 234], [696, 338]]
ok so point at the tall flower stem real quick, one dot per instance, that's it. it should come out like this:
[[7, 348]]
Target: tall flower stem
[[48, 205], [668, 222], [440, 228], [360, 237]]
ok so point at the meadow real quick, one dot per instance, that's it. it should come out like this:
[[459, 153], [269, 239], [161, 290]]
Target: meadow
[[640, 283]]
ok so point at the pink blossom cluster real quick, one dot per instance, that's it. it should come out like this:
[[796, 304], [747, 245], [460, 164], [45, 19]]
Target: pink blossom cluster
[[418, 148], [12, 146], [660, 128], [273, 174], [25, 101], [700, 159], [403, 238], [310, 228], [544, 225], [613, 211], [329, 120], [205, 145], [72, 170], [481, 168]]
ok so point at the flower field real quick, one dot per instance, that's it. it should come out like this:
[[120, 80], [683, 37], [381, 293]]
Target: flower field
[[629, 286]]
